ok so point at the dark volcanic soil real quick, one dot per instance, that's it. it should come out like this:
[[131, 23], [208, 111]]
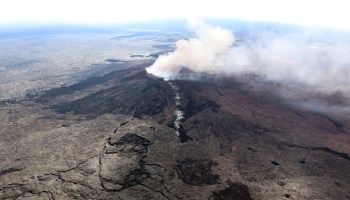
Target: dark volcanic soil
[[113, 137]]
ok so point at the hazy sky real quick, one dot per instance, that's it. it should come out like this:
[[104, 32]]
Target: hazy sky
[[334, 13]]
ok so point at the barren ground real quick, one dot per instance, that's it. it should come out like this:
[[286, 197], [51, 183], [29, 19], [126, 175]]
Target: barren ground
[[113, 137]]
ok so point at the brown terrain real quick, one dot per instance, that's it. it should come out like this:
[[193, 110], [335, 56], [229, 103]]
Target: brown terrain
[[113, 137]]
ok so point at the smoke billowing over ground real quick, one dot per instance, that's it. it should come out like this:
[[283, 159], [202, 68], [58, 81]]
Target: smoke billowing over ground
[[220, 130], [309, 62], [199, 54]]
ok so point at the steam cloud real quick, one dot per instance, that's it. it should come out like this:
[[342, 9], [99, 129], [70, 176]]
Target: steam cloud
[[314, 60], [199, 54]]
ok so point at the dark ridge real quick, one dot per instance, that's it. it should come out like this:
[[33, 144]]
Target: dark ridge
[[223, 125], [339, 154], [235, 191], [182, 132], [131, 138], [10, 170], [119, 72], [82, 85], [183, 136], [325, 149], [196, 171], [298, 114], [194, 106], [335, 123], [137, 95], [191, 102]]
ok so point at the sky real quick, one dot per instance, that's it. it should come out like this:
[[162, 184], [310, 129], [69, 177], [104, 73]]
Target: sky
[[328, 13]]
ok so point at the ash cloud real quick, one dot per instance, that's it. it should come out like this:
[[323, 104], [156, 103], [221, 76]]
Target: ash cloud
[[312, 60]]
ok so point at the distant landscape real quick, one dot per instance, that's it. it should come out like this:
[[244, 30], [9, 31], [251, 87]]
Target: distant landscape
[[38, 60], [222, 109]]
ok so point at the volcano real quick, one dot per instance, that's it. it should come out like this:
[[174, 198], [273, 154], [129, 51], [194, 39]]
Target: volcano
[[115, 137]]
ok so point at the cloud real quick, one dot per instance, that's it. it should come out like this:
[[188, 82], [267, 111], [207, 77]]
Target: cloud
[[321, 62], [311, 60]]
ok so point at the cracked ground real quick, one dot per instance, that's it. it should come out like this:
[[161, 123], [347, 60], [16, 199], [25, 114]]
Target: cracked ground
[[113, 137]]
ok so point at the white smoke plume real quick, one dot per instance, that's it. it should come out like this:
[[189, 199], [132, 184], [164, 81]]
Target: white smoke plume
[[199, 54], [179, 114], [317, 61]]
